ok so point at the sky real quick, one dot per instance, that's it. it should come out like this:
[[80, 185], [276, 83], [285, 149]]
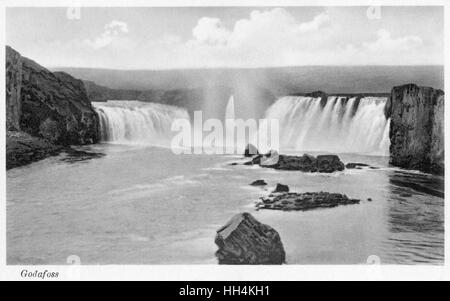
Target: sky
[[244, 37]]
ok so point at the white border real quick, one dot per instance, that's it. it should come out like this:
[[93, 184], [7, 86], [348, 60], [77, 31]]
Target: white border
[[216, 272]]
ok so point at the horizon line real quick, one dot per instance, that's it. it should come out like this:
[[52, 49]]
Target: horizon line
[[243, 68]]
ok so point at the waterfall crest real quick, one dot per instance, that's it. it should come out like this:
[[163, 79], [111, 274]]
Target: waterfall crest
[[340, 126], [136, 122]]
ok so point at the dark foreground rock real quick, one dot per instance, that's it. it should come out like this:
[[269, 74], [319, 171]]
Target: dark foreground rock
[[417, 128], [305, 163], [244, 240], [304, 201], [22, 149]]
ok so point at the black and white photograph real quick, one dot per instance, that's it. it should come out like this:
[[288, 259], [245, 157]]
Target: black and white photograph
[[210, 135]]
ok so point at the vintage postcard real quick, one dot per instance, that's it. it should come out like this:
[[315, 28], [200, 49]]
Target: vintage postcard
[[216, 140]]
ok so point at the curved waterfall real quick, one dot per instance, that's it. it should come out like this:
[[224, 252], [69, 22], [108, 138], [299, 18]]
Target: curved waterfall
[[136, 122], [342, 125], [305, 124]]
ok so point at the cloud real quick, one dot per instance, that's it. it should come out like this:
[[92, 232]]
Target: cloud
[[265, 38], [261, 28], [385, 42], [211, 31], [112, 31]]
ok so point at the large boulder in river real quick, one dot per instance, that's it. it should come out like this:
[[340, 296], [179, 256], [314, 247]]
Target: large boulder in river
[[244, 240], [416, 128], [329, 163]]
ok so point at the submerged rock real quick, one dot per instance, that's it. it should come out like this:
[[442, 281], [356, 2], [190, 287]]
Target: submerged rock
[[250, 150], [355, 165], [304, 201], [281, 188], [244, 240], [258, 183]]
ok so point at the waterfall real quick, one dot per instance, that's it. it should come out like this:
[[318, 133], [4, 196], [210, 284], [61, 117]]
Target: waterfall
[[136, 122], [342, 125]]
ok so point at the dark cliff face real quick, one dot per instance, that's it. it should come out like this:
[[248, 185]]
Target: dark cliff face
[[13, 89], [53, 106], [417, 128]]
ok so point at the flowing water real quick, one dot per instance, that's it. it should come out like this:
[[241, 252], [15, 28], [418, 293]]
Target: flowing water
[[135, 122], [143, 204], [340, 126]]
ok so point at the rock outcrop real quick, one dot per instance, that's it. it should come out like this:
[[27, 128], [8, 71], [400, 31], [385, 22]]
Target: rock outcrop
[[289, 201], [417, 128], [329, 163], [244, 240], [45, 111], [53, 106], [305, 163]]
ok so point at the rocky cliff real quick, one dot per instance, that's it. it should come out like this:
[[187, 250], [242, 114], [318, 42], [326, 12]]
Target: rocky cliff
[[53, 106], [417, 128]]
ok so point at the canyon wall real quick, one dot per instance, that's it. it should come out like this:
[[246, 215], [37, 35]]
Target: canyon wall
[[52, 106], [417, 128]]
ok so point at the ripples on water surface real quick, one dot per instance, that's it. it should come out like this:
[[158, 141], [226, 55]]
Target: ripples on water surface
[[149, 206]]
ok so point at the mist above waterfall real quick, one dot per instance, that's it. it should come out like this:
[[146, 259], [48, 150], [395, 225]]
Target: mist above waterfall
[[342, 125]]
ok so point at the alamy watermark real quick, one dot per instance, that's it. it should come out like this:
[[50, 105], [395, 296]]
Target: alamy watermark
[[214, 136]]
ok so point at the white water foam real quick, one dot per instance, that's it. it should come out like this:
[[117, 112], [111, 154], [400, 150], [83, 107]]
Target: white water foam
[[136, 122], [339, 126]]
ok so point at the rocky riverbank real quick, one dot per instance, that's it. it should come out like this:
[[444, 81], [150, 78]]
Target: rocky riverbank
[[45, 111], [22, 149]]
